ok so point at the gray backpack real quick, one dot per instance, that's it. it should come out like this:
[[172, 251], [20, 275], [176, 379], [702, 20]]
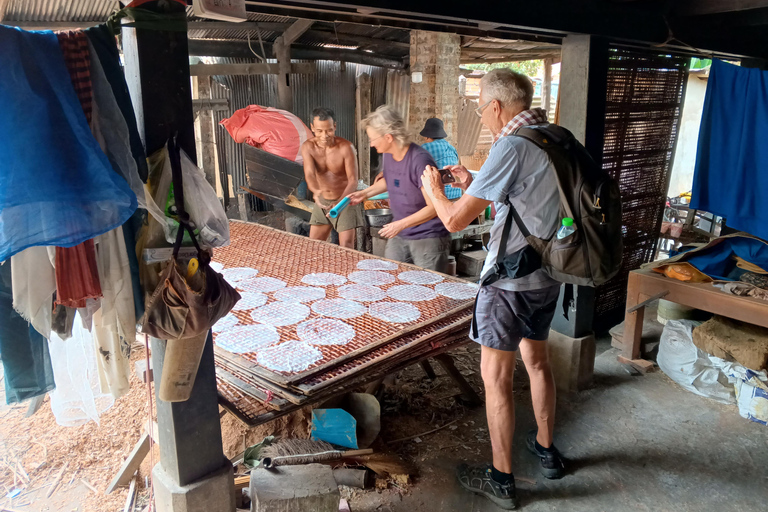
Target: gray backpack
[[592, 254]]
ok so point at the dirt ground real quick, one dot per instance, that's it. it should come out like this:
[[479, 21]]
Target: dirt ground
[[35, 450], [636, 443]]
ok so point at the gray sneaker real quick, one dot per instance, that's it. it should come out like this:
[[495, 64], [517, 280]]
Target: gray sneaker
[[552, 461], [478, 479]]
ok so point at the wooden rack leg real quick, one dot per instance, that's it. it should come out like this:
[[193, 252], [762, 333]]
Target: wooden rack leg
[[467, 392], [428, 369]]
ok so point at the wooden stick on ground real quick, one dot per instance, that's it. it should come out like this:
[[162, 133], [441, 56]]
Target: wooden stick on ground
[[423, 433], [88, 485], [131, 493], [57, 480]]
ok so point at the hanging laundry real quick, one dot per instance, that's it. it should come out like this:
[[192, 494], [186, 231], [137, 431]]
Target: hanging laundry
[[77, 276], [57, 187], [26, 360], [34, 283], [114, 325], [76, 272], [104, 48], [77, 57], [730, 178]]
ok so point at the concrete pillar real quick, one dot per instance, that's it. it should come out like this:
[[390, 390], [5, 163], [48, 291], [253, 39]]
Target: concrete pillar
[[192, 462], [582, 97], [435, 55]]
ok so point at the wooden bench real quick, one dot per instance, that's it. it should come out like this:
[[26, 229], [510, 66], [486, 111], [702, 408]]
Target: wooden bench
[[645, 285]]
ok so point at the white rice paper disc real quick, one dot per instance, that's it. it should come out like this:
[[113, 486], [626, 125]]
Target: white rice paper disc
[[280, 313], [261, 284], [247, 338], [299, 294], [361, 292], [338, 308], [325, 331], [420, 277], [377, 265], [371, 277], [216, 266], [411, 293], [395, 312], [250, 300], [226, 322], [292, 356], [458, 291], [324, 279], [237, 274]]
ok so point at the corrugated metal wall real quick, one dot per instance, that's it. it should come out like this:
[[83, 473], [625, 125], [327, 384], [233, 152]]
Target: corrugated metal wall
[[329, 87]]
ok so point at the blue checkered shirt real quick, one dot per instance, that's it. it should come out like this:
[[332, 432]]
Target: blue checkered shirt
[[443, 153]]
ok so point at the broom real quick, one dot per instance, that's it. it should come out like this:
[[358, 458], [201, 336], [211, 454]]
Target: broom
[[290, 452]]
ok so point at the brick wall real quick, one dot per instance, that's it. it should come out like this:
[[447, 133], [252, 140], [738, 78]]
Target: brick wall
[[436, 55]]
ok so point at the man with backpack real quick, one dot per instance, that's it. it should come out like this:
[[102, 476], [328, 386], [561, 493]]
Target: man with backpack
[[517, 299]]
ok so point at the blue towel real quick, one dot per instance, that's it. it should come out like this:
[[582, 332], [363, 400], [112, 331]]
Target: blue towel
[[56, 185], [730, 177]]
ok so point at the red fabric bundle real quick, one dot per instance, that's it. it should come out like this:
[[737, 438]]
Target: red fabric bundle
[[77, 276]]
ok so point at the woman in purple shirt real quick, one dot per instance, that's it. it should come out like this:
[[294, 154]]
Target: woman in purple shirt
[[416, 235]]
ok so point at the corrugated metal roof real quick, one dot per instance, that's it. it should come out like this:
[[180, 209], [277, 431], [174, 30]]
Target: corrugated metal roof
[[59, 10]]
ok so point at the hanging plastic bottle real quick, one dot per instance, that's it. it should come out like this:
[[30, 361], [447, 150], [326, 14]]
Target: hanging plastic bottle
[[566, 229]]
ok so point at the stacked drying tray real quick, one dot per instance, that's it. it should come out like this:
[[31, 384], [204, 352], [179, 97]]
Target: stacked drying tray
[[318, 320]]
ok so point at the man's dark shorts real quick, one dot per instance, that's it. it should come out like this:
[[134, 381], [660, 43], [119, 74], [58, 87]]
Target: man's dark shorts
[[502, 317]]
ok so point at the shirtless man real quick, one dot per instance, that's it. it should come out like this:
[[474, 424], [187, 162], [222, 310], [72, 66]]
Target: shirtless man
[[330, 168]]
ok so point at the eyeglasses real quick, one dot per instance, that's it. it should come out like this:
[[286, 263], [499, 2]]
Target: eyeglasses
[[377, 138], [479, 110]]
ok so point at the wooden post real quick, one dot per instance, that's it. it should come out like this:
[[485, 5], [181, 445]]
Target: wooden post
[[546, 87], [362, 109], [282, 49], [284, 92], [207, 137]]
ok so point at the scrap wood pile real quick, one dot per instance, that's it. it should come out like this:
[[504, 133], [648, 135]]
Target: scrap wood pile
[[317, 320]]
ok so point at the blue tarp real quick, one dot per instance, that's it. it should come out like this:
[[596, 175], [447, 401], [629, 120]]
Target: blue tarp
[[56, 185], [731, 174], [718, 261]]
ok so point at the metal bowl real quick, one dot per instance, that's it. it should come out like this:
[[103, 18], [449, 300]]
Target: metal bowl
[[379, 217]]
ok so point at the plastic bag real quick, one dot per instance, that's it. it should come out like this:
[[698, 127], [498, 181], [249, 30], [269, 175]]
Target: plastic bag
[[689, 366], [77, 398], [751, 390], [205, 211]]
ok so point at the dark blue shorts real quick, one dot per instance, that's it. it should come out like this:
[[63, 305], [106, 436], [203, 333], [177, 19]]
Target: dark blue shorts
[[502, 317]]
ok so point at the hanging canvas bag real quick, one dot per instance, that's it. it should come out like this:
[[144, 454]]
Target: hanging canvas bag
[[182, 306]]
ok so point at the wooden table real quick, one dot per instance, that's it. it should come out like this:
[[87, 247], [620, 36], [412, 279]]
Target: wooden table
[[644, 284]]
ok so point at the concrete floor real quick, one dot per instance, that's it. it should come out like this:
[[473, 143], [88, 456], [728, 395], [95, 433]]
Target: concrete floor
[[635, 442]]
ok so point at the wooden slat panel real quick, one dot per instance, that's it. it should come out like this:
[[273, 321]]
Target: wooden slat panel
[[644, 99]]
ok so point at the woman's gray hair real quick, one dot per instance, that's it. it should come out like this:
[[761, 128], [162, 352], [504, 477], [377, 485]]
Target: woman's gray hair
[[386, 120], [508, 87]]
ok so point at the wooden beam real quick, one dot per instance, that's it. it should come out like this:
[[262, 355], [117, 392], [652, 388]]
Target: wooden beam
[[704, 7], [217, 105], [295, 31], [239, 49], [506, 51], [131, 464], [248, 69]]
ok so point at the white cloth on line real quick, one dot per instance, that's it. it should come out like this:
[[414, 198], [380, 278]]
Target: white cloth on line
[[34, 283]]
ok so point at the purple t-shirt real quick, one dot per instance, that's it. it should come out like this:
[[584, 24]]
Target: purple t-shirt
[[404, 186]]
